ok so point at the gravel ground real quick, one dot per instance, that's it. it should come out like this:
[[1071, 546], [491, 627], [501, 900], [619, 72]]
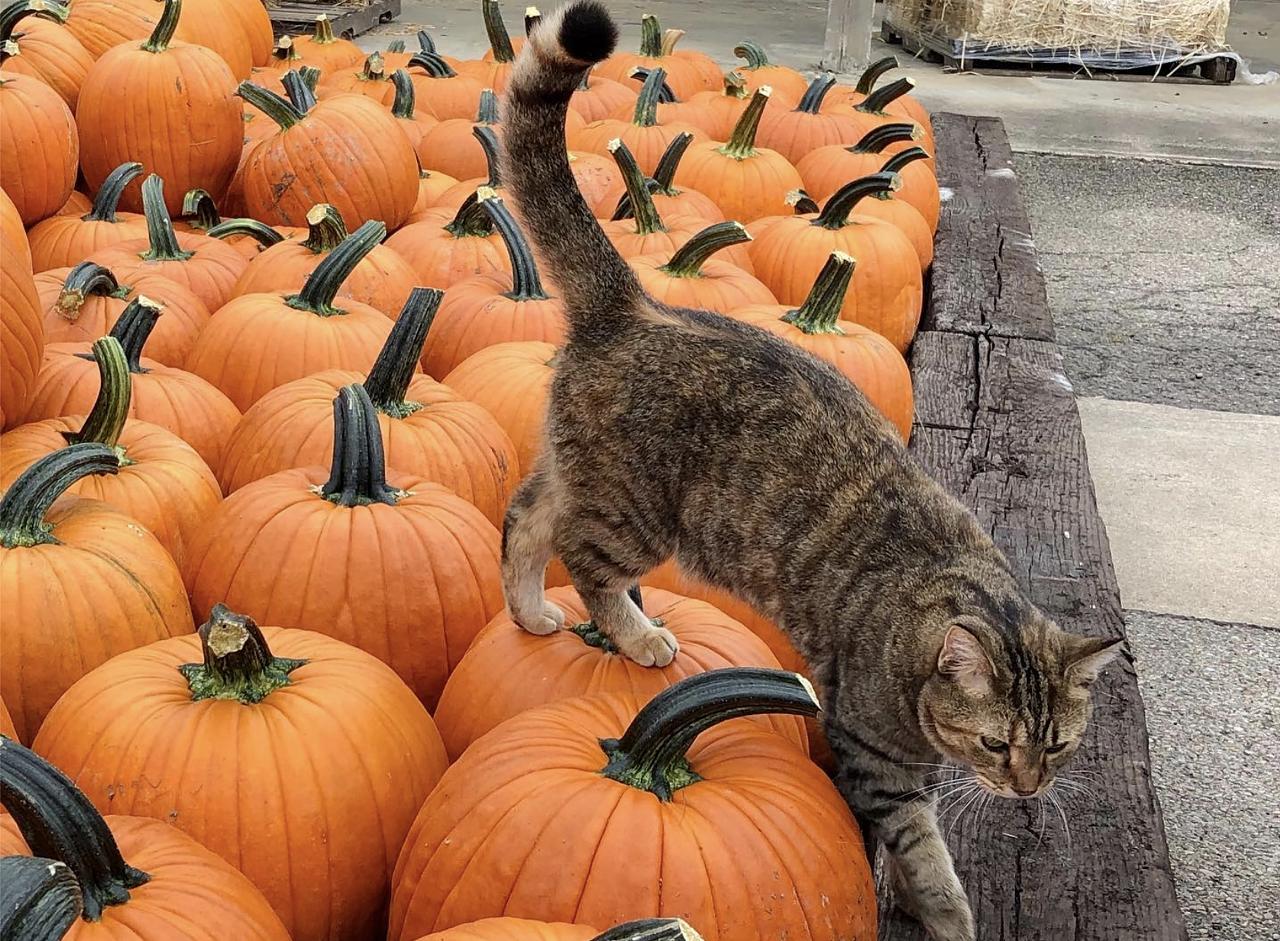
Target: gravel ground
[[1213, 707], [1163, 278]]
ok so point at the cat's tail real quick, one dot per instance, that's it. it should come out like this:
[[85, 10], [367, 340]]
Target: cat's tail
[[596, 284]]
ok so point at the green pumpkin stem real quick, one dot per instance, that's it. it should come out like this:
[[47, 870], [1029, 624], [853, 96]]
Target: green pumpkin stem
[[496, 30], [166, 26], [650, 755], [835, 214], [133, 329], [58, 822], [359, 473], [39, 899], [311, 78], [811, 102], [903, 157], [27, 501], [323, 32], [432, 64], [754, 54], [471, 220], [325, 229], [688, 260], [111, 408], [735, 86], [646, 111], [650, 37], [164, 241], [199, 210], [14, 13], [107, 201], [878, 100], [867, 81], [238, 664], [665, 95], [322, 284], [801, 203], [393, 370], [406, 100], [373, 68], [526, 282], [426, 43], [83, 281], [492, 153], [742, 141], [300, 89], [639, 202], [820, 311], [882, 135], [665, 173], [284, 51], [262, 233], [487, 113], [278, 109], [651, 929], [396, 46]]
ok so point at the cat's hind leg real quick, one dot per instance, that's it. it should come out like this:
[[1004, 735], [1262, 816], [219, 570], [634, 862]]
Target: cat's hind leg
[[528, 543]]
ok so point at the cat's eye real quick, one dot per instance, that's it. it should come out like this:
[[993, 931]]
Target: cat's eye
[[994, 744], [1054, 749]]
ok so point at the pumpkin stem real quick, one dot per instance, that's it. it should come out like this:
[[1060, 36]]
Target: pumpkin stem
[[432, 64], [162, 35], [471, 220], [532, 17], [323, 33], [359, 473], [396, 46], [651, 929], [646, 111], [300, 88], [735, 86], [164, 241], [835, 214], [882, 135], [278, 109], [259, 231], [639, 202], [406, 100], [388, 380], [84, 280], [688, 260], [492, 156], [115, 392], [238, 664], [669, 162], [499, 39], [488, 110], [876, 102], [58, 822], [426, 43], [284, 51], [665, 95], [133, 329], [650, 756], [742, 142], [39, 899], [372, 71], [821, 309], [310, 77], [754, 54], [650, 37], [325, 229], [903, 157], [867, 81], [526, 283], [199, 210], [25, 504], [322, 284], [801, 203], [811, 102], [670, 37], [14, 13], [107, 201]]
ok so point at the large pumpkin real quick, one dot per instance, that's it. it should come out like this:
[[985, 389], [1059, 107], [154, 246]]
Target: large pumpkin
[[598, 97], [805, 128], [828, 168], [685, 78], [82, 582], [260, 341], [62, 241], [640, 815], [138, 879], [402, 568], [692, 278], [428, 430], [324, 50], [39, 147], [507, 670], [22, 333], [644, 134], [11, 227], [448, 246], [43, 47], [199, 731]]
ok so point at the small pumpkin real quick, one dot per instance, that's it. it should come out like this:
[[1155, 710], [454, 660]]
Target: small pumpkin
[[452, 148], [798, 132], [643, 231], [667, 788], [670, 200], [684, 77], [447, 247], [43, 47], [325, 51], [39, 146], [692, 278], [643, 134], [250, 707], [22, 332], [404, 108], [432, 185], [62, 241], [889, 208], [596, 98], [401, 568], [788, 85], [494, 308], [446, 93], [828, 168], [82, 582]]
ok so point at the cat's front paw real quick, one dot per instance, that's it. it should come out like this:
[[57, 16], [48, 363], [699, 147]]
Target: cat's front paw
[[653, 647], [547, 620], [949, 921]]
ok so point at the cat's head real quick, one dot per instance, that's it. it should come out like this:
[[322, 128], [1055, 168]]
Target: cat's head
[[1011, 703]]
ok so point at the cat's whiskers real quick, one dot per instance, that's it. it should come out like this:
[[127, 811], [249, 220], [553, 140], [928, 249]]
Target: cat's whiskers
[[1066, 827], [976, 796]]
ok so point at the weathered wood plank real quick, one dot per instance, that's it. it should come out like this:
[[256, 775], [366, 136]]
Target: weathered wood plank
[[846, 46]]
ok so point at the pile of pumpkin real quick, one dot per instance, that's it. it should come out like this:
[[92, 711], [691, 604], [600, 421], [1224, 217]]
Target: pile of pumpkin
[[230, 398]]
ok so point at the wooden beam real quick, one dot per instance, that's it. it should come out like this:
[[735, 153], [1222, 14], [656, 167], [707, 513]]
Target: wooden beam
[[847, 44]]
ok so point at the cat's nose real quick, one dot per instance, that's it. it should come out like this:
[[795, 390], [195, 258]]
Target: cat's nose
[[1024, 790], [1026, 782]]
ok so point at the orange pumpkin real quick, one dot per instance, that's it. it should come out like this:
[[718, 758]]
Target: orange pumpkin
[[452, 148], [684, 77], [404, 108], [249, 237], [507, 670], [174, 399], [77, 204], [881, 107], [370, 79], [597, 97], [22, 332], [82, 582], [643, 134], [325, 51], [446, 93], [903, 104], [395, 57], [230, 697], [744, 180], [725, 823], [724, 107], [463, 191], [283, 57], [525, 929], [136, 879], [671, 110], [429, 430], [889, 208], [643, 231], [447, 247], [828, 168], [347, 151], [198, 143], [887, 289], [598, 180], [43, 47], [39, 147], [788, 85], [798, 132], [864, 357], [692, 278], [80, 304], [257, 342], [494, 308], [432, 185], [11, 227], [6, 722], [708, 69], [62, 241], [401, 568]]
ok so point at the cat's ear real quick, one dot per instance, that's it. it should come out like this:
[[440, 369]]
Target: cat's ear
[[963, 661], [1086, 657]]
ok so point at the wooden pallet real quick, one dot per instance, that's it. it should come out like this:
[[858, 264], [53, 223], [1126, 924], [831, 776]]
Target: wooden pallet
[[349, 19], [996, 423], [971, 56]]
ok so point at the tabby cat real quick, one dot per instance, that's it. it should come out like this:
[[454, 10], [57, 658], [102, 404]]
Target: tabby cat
[[765, 472]]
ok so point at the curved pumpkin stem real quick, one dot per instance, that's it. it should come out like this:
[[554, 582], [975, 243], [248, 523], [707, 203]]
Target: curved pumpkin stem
[[406, 100], [820, 311], [133, 329], [238, 664], [670, 39], [526, 284], [300, 86], [651, 929], [393, 370], [882, 135], [278, 109], [650, 37], [811, 102], [867, 80], [58, 822], [359, 473], [373, 68], [665, 173], [166, 26], [83, 281], [426, 43], [754, 54], [39, 899], [432, 64], [262, 233], [646, 110], [325, 229], [199, 210], [801, 203], [164, 241], [107, 201], [903, 157], [650, 756], [639, 202], [14, 13], [487, 113], [835, 214], [496, 30], [27, 501], [742, 142], [111, 407], [322, 284], [665, 95], [876, 102], [687, 262], [492, 153], [471, 220]]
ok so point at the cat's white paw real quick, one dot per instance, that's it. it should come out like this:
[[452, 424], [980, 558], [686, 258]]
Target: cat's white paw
[[546, 621], [653, 647]]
